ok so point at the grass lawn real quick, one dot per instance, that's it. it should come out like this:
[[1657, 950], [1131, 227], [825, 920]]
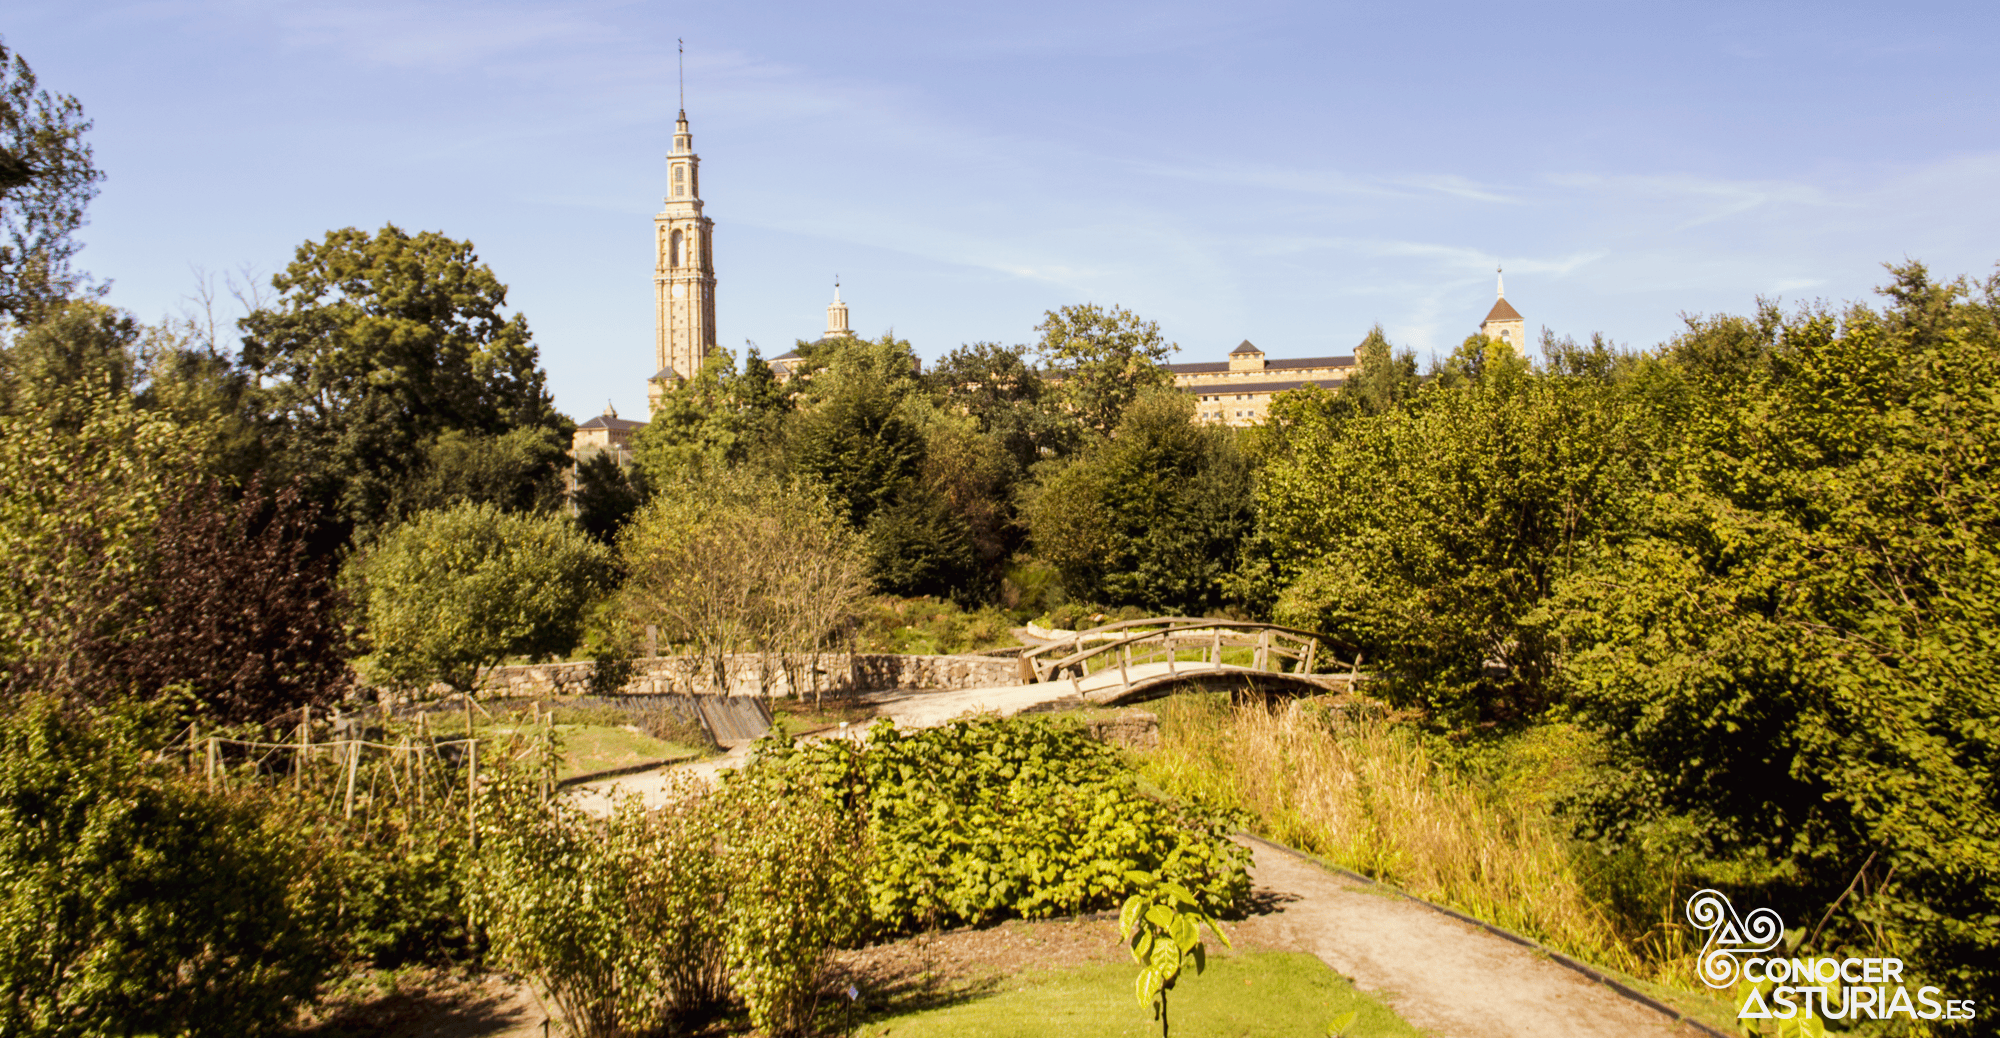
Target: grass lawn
[[590, 748], [1259, 993]]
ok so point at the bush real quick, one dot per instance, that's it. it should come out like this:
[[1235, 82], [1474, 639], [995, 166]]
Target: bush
[[135, 901], [654, 916], [985, 818], [795, 852], [454, 591]]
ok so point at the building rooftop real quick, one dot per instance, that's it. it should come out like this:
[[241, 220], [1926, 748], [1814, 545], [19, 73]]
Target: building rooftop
[[1502, 311]]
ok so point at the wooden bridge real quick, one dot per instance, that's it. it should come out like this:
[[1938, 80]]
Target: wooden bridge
[[1135, 660]]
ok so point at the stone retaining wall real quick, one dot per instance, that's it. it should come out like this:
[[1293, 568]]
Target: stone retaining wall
[[776, 675]]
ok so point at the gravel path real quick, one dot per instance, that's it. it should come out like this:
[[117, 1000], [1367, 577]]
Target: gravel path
[[1447, 977]]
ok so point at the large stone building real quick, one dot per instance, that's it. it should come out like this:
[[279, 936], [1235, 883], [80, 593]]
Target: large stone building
[[1238, 390], [683, 272]]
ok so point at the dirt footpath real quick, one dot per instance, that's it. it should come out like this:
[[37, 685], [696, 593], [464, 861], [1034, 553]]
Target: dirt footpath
[[1447, 977]]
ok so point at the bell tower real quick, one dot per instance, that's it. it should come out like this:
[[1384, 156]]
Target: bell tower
[[683, 271]]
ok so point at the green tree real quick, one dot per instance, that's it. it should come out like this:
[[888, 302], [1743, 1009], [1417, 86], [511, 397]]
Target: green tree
[[1105, 357], [1428, 533], [136, 902], [854, 432], [47, 178], [452, 592], [1791, 658], [1009, 398], [717, 418], [734, 561], [607, 495], [380, 344], [1151, 516]]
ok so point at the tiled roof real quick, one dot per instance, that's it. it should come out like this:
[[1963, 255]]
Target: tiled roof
[[1244, 347], [1502, 311], [1197, 368], [1312, 362], [666, 372], [608, 422]]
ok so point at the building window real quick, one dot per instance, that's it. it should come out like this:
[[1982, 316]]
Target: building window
[[674, 258]]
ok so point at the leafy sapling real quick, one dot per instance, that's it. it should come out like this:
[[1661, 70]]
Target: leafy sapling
[[1161, 923]]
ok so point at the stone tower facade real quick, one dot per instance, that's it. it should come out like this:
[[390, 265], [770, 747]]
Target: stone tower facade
[[1505, 323], [683, 271], [836, 317]]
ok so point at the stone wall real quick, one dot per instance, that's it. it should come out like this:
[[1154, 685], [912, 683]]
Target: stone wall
[[750, 675]]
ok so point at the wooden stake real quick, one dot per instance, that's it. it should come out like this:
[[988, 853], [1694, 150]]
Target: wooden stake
[[1312, 650], [353, 764], [472, 791], [306, 746], [211, 761]]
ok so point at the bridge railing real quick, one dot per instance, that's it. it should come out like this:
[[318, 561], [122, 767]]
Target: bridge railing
[[1131, 643]]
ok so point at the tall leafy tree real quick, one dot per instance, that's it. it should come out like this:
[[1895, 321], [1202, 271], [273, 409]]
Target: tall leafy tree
[[1106, 358], [1011, 399], [1426, 534], [47, 178], [380, 344], [1151, 516], [1792, 656]]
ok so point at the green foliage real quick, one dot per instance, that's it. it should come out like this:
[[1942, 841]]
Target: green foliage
[[454, 591], [1791, 656], [1427, 534], [984, 819], [47, 177], [133, 900], [657, 916], [80, 497], [379, 345], [737, 562], [1151, 516], [1161, 923], [1012, 402], [928, 626], [1107, 359], [715, 418], [607, 495], [573, 905], [796, 850], [854, 432], [520, 470]]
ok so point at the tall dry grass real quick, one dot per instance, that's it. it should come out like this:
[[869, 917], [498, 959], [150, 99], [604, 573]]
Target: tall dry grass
[[1370, 797]]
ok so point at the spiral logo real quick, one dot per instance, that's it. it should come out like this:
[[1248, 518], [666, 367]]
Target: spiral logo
[[1729, 935]]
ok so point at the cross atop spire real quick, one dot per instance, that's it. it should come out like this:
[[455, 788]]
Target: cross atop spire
[[683, 67], [1500, 277]]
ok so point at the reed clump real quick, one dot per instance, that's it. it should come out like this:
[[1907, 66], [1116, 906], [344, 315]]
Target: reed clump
[[1372, 797]]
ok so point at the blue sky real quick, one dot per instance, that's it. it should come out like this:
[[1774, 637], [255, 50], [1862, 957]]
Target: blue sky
[[1287, 173]]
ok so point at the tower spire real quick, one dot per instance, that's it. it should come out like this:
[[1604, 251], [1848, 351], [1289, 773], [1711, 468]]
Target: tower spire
[[683, 67], [836, 315]]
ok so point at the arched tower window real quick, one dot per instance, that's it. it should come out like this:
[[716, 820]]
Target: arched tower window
[[674, 255], [680, 180]]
